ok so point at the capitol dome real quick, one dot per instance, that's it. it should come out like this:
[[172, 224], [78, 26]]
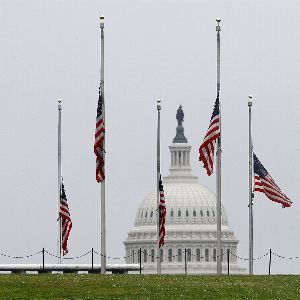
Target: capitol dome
[[191, 225], [188, 203]]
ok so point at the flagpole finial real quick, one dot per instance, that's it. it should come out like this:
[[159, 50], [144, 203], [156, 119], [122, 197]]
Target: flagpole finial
[[101, 21], [250, 100], [59, 104], [158, 104], [218, 28]]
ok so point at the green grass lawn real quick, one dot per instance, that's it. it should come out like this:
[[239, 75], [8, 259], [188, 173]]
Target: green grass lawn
[[73, 286]]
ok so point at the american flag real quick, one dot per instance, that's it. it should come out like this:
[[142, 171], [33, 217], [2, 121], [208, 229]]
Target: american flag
[[162, 214], [264, 183], [99, 140], [207, 148], [65, 219]]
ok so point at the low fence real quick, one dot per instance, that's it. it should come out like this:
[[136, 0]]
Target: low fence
[[139, 253]]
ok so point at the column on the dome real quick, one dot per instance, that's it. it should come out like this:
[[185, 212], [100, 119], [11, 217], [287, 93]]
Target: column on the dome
[[186, 157], [180, 159], [173, 158]]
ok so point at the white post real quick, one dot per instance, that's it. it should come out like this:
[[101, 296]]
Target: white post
[[59, 250], [218, 163], [250, 190], [103, 230], [157, 187]]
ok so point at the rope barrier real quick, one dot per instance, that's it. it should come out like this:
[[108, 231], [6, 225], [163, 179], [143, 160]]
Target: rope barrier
[[82, 255], [51, 254], [111, 257], [147, 254], [280, 256], [20, 257], [258, 258]]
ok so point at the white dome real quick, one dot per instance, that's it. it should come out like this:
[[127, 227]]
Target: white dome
[[187, 203]]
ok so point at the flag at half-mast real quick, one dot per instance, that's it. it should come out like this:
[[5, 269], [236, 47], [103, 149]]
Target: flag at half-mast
[[162, 211], [99, 139], [264, 183], [207, 148], [65, 219]]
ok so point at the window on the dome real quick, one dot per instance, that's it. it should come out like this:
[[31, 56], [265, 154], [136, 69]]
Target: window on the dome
[[142, 214], [198, 255], [189, 255], [207, 213], [213, 212], [194, 214], [179, 213], [179, 255], [172, 213], [170, 255], [151, 214], [145, 255], [152, 255], [214, 255], [145, 214], [201, 213], [206, 255], [186, 213]]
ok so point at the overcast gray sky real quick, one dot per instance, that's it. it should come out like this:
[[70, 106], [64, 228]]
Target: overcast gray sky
[[154, 49]]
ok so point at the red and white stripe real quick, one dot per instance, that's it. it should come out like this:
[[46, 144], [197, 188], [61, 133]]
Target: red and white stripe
[[99, 143], [98, 150], [66, 224], [207, 148], [162, 218], [268, 186]]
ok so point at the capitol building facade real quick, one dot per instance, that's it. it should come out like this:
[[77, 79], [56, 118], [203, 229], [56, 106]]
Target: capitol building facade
[[191, 226]]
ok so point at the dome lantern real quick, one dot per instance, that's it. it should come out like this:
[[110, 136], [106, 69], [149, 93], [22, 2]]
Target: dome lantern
[[180, 138], [180, 151]]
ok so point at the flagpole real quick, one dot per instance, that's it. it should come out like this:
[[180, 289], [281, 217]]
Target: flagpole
[[218, 163], [103, 230], [157, 187], [250, 189], [59, 181]]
